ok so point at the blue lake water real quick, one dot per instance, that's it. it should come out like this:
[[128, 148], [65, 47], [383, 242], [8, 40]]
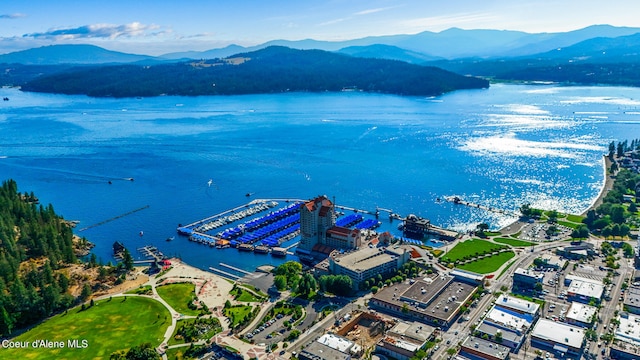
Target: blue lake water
[[499, 147]]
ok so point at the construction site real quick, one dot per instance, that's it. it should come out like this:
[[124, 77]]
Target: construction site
[[363, 328]]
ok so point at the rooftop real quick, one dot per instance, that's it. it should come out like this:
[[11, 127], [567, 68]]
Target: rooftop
[[365, 258], [585, 287], [486, 347], [581, 312], [629, 329], [520, 305], [559, 333], [318, 351], [633, 297], [509, 318], [412, 330], [336, 342], [529, 273]]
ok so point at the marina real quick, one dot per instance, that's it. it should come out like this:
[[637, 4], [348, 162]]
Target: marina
[[261, 234]]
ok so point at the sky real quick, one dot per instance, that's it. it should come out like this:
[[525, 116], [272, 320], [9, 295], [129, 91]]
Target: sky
[[162, 26]]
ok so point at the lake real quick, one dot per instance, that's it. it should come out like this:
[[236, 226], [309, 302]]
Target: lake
[[499, 147]]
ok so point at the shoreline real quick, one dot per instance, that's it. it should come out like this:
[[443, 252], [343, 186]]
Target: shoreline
[[607, 185]]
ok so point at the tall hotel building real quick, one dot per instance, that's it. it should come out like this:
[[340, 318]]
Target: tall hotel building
[[316, 217]]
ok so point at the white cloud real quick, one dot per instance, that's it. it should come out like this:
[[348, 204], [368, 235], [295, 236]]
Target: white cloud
[[105, 31]]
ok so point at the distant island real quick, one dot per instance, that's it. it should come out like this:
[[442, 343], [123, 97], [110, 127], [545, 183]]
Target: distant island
[[274, 69]]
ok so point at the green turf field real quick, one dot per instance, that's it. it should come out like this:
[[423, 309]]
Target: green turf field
[[108, 326]]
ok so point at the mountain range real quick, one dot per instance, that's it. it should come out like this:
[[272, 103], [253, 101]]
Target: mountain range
[[599, 54]]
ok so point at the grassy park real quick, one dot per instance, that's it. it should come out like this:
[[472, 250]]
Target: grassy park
[[489, 264], [514, 242], [108, 326], [471, 248], [179, 296]]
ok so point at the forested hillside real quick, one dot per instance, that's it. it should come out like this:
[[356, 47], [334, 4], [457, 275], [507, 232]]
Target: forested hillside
[[34, 243], [270, 70]]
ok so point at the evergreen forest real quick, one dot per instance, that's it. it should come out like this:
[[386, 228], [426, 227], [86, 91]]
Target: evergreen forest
[[34, 243]]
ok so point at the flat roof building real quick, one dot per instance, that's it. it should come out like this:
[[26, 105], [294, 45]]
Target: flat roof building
[[581, 314], [512, 318], [435, 300], [367, 263], [584, 289], [629, 329], [632, 300], [526, 279], [477, 348], [557, 336], [404, 340], [319, 351]]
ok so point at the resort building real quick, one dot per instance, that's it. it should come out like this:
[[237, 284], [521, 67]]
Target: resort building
[[558, 337], [415, 227], [435, 301], [339, 237], [368, 262], [477, 348], [316, 217], [581, 314], [404, 339]]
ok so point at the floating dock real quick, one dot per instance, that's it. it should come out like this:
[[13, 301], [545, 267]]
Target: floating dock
[[457, 200]]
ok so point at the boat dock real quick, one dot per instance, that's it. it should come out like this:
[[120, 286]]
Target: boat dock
[[235, 269], [151, 252], [224, 273], [457, 200]]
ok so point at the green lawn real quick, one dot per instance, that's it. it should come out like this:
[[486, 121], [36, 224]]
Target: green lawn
[[237, 314], [470, 248], [244, 295], [568, 224], [142, 290], [575, 218], [179, 296], [207, 328], [490, 264], [108, 326], [513, 242]]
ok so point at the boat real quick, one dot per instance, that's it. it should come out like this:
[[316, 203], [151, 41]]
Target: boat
[[279, 251], [261, 249], [245, 247], [141, 232], [171, 238], [248, 194]]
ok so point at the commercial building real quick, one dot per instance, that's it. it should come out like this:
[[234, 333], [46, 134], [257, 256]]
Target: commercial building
[[632, 300], [319, 351], [511, 318], [404, 339], [581, 314], [580, 251], [629, 329], [436, 301], [526, 279], [367, 263], [583, 289], [558, 337], [330, 347], [477, 348]]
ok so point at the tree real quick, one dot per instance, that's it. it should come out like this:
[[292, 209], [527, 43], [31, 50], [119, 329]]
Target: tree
[[633, 208], [498, 337], [127, 260], [405, 308], [481, 228], [86, 292], [280, 282], [142, 352]]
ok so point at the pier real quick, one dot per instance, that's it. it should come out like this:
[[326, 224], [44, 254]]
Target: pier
[[229, 275], [114, 218], [235, 268], [151, 252], [457, 200]]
